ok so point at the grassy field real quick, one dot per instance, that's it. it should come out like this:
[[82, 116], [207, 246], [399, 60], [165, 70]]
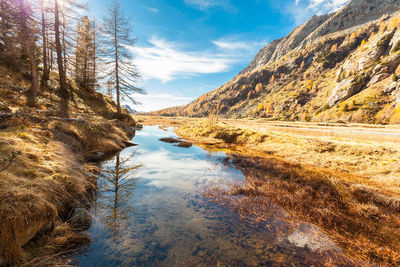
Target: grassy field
[[343, 178]]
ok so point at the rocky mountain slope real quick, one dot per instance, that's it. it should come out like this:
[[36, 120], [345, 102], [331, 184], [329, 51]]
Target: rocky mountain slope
[[336, 67]]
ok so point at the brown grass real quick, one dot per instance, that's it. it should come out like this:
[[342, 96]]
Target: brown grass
[[52, 174], [335, 182]]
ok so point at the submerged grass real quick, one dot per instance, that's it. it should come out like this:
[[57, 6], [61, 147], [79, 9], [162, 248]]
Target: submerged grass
[[338, 184]]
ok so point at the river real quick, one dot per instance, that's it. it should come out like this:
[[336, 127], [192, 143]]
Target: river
[[151, 210]]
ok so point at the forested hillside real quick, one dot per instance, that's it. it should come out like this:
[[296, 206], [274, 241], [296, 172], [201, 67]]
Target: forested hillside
[[54, 124]]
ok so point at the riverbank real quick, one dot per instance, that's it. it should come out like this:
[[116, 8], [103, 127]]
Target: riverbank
[[345, 183], [49, 166]]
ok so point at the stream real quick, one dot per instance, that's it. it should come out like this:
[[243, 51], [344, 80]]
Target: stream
[[151, 210]]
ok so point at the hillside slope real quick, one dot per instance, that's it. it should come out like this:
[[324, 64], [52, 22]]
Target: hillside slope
[[336, 67], [48, 165]]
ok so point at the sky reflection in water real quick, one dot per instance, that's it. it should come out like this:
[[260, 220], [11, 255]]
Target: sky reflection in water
[[159, 216]]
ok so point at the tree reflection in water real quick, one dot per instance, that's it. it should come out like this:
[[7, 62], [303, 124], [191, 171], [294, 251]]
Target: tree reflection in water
[[118, 183]]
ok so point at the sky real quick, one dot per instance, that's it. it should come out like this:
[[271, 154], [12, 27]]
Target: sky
[[186, 48]]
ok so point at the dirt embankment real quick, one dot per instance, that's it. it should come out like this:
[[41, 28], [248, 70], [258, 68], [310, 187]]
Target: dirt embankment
[[348, 186], [48, 167]]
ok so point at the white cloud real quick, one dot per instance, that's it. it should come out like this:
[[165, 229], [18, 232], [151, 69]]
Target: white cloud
[[304, 9], [152, 9], [228, 44], [165, 62], [207, 4], [151, 102], [326, 6], [231, 45]]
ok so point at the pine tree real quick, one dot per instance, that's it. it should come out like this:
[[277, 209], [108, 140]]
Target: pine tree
[[116, 54]]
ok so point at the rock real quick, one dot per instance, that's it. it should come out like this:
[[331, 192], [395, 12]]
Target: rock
[[129, 144], [170, 140], [185, 144], [81, 219], [377, 78], [139, 126], [380, 69], [390, 87], [347, 88], [319, 26], [395, 42], [396, 95]]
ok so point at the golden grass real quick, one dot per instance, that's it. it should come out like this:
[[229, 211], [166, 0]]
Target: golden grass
[[51, 175], [349, 187]]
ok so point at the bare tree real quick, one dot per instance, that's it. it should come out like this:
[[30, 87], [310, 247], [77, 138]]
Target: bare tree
[[26, 23], [116, 54], [46, 70], [64, 93], [85, 55]]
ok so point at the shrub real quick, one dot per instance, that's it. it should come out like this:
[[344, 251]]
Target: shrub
[[363, 43], [395, 23], [394, 77], [344, 107]]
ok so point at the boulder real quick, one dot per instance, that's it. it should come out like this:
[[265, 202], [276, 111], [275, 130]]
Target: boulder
[[395, 42], [396, 95], [390, 87], [371, 57], [347, 88], [81, 219], [377, 78], [185, 144]]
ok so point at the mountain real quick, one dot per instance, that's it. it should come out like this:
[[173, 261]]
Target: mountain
[[341, 66], [130, 109]]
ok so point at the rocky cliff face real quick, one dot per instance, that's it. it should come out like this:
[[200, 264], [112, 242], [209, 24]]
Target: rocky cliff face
[[355, 13], [336, 67]]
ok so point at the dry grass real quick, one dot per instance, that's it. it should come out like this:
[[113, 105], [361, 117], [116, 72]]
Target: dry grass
[[45, 182], [51, 174], [349, 187]]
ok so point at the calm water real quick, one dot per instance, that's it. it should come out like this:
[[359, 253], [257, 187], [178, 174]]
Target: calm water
[[151, 211]]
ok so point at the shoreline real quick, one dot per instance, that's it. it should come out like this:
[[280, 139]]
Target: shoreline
[[53, 175], [358, 207]]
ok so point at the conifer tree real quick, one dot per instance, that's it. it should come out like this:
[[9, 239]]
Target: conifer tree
[[116, 54]]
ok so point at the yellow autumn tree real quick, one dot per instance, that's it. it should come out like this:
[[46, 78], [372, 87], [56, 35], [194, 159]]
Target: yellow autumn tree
[[395, 23], [272, 79]]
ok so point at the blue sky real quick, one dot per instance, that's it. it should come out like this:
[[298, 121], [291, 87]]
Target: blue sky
[[186, 48]]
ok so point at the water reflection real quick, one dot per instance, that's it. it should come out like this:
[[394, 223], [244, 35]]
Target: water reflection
[[164, 218], [118, 183]]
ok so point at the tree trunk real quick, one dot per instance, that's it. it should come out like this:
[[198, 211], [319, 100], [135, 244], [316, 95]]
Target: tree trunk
[[64, 45], [64, 94], [116, 62], [45, 75], [30, 52], [94, 55]]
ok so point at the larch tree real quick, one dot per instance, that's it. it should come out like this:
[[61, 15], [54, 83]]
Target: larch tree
[[27, 39], [64, 93], [117, 56], [8, 36], [45, 55], [85, 55]]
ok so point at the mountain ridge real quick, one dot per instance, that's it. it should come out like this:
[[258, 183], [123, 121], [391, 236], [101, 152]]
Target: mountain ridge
[[341, 66]]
